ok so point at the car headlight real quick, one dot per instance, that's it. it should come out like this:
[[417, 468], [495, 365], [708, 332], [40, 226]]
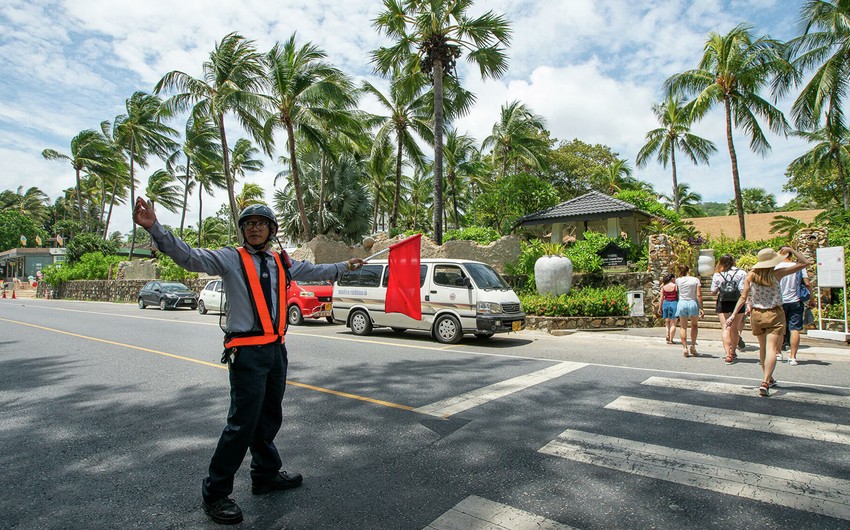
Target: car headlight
[[489, 308], [170, 296], [306, 294]]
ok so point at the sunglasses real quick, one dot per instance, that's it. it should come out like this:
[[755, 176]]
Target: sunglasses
[[259, 224]]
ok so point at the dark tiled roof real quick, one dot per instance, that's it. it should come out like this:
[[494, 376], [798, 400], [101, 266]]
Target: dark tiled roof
[[591, 205]]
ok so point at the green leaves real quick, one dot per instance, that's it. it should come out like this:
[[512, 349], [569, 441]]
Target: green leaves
[[585, 302]]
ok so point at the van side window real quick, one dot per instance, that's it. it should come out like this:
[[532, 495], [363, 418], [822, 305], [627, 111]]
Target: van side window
[[423, 272], [365, 276], [448, 275]]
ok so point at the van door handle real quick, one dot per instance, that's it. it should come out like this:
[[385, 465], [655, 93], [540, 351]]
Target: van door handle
[[433, 292]]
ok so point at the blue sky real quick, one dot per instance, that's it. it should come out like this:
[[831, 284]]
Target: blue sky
[[591, 68]]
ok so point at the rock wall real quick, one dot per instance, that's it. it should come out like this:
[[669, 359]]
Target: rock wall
[[593, 323], [105, 290]]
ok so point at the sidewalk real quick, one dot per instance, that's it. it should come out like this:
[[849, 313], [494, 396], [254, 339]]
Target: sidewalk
[[710, 338]]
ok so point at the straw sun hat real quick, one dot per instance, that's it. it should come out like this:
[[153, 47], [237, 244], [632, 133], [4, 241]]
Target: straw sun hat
[[768, 258]]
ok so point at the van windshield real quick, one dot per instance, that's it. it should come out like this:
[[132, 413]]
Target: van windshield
[[485, 277]]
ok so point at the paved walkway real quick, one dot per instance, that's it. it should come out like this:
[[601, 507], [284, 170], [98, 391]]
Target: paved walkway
[[710, 338]]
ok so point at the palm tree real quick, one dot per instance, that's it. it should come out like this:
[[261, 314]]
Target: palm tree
[[430, 37], [407, 105], [88, 151], [756, 200], [141, 132], [831, 151], [688, 201], [733, 70], [516, 138], [309, 97], [421, 187], [824, 46], [615, 177], [464, 167], [199, 140], [32, 203], [209, 174], [674, 134], [232, 81], [163, 190], [117, 177]]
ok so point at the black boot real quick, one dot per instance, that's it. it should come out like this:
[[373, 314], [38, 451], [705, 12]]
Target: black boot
[[280, 481], [223, 511]]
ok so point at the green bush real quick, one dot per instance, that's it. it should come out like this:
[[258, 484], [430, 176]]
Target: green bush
[[587, 302], [86, 243], [740, 247], [170, 271], [480, 234], [90, 266]]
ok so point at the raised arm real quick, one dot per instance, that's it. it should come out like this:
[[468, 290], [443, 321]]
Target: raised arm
[[802, 263]]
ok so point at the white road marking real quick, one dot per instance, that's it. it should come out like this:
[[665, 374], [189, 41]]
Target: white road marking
[[477, 513], [774, 485], [764, 423], [743, 390], [474, 398]]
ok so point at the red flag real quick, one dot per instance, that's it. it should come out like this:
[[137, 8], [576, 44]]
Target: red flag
[[403, 291]]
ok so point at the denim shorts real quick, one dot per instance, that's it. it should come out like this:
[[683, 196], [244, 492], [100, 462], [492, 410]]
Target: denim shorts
[[687, 308], [668, 309], [794, 315]]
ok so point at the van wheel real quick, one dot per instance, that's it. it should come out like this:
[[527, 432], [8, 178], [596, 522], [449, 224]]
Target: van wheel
[[361, 324], [447, 330], [294, 315], [485, 335], [202, 309], [330, 320], [399, 330]]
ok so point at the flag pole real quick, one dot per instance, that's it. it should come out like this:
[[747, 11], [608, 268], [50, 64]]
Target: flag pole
[[376, 254]]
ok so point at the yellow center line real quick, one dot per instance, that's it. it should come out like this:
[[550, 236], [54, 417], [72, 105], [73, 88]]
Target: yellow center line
[[213, 365]]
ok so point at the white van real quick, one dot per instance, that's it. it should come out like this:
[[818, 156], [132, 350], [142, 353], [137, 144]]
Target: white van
[[457, 297]]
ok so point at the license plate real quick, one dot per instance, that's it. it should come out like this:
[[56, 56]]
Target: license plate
[[516, 325]]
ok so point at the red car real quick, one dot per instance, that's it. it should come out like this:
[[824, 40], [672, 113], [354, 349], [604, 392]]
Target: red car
[[309, 300]]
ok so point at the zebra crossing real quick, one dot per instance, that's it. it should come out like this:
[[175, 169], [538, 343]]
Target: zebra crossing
[[818, 494]]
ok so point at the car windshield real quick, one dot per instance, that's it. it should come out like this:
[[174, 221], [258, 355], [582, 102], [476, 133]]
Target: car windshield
[[485, 277], [173, 287]]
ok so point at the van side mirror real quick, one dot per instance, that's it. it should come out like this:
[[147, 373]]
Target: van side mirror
[[467, 282]]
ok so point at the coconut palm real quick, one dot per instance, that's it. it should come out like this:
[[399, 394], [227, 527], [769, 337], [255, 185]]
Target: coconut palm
[[419, 204], [756, 200], [116, 176], [32, 202], [88, 151], [688, 201], [209, 174], [140, 133], [674, 134], [824, 47], [430, 37], [407, 106], [309, 97], [733, 71], [831, 152], [231, 83], [464, 167], [615, 177], [200, 139], [516, 138], [163, 189]]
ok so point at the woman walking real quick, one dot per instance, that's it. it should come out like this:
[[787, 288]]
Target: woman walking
[[689, 308], [667, 304], [728, 283], [767, 319]]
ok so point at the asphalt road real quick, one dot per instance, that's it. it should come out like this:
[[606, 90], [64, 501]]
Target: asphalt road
[[110, 414]]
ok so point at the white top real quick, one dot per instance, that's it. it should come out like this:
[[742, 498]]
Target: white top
[[688, 287], [764, 296], [734, 273], [790, 285]]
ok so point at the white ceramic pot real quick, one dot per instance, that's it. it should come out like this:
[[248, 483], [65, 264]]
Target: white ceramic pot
[[705, 262], [553, 275]]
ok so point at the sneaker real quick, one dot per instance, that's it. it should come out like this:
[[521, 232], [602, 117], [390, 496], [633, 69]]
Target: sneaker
[[792, 362], [779, 357], [763, 390], [223, 511], [772, 383]]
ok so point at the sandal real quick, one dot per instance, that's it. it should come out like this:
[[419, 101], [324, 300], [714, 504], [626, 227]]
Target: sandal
[[694, 351], [685, 353], [730, 359], [669, 341]]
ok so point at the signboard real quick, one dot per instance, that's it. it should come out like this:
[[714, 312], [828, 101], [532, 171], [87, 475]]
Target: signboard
[[612, 256], [831, 267]]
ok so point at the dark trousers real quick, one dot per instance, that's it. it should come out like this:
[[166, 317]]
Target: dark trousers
[[257, 383]]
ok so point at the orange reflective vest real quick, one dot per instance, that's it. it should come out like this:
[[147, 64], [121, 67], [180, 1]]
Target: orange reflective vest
[[268, 335]]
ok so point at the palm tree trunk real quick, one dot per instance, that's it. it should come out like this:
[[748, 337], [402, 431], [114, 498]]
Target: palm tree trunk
[[132, 197], [185, 195], [79, 195], [200, 214], [320, 225], [375, 211], [842, 181], [231, 193], [438, 152], [675, 180], [111, 205], [296, 181], [394, 215], [736, 181], [102, 203]]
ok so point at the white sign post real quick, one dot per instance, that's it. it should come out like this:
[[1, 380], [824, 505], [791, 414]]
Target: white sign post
[[830, 262]]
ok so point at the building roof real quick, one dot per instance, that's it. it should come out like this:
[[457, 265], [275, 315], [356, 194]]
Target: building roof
[[757, 224], [590, 206]]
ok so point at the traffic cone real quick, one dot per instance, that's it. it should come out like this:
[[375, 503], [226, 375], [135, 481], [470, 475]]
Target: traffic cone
[[4, 293], [13, 294]]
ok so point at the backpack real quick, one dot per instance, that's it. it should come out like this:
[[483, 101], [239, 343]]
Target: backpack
[[729, 291], [804, 293]]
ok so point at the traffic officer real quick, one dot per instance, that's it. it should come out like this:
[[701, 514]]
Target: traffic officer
[[255, 281]]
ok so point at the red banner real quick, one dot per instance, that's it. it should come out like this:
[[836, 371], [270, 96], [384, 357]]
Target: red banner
[[403, 291]]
